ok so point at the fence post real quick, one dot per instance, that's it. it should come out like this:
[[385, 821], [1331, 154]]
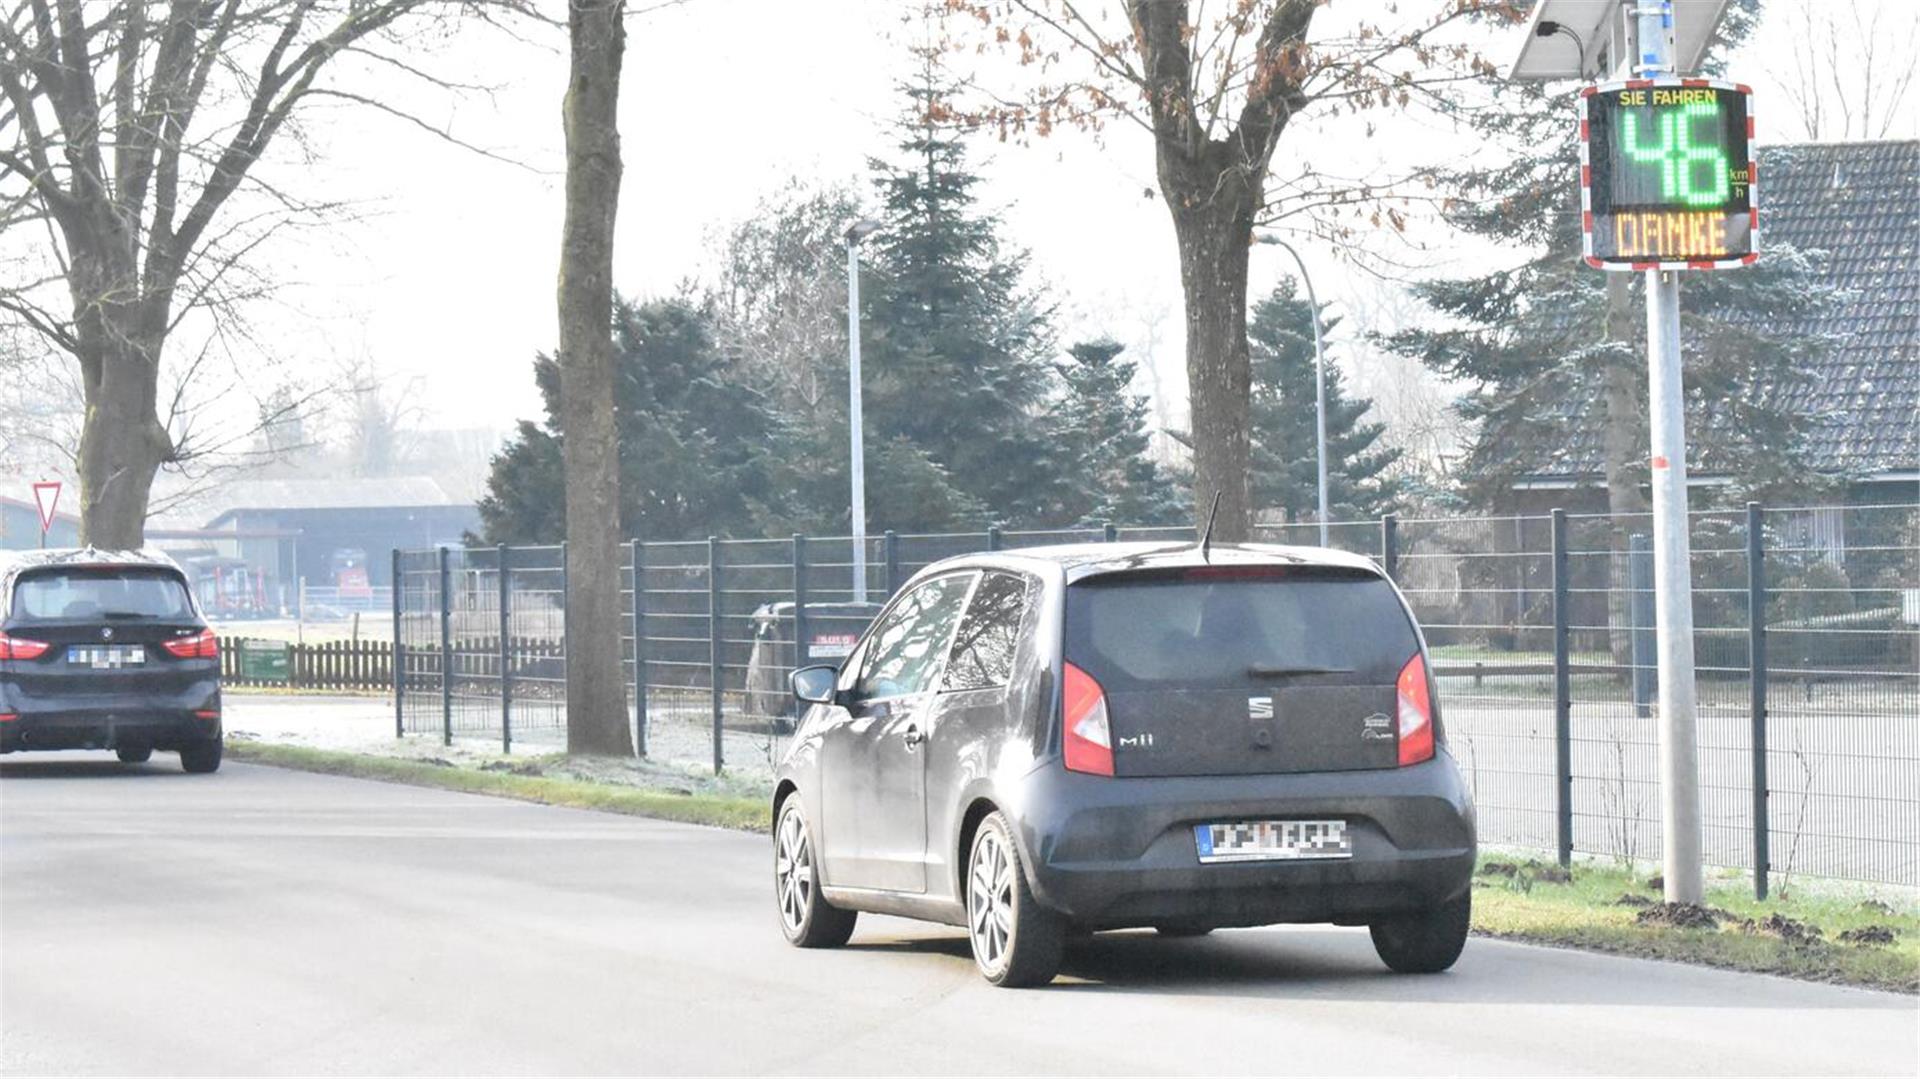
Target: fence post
[[505, 573], [1112, 532], [639, 648], [1390, 546], [890, 548], [713, 649], [801, 650], [446, 650], [399, 663], [993, 537], [1641, 641], [1757, 691], [1562, 693]]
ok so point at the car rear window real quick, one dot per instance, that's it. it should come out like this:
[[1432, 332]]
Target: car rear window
[[105, 593], [1139, 632]]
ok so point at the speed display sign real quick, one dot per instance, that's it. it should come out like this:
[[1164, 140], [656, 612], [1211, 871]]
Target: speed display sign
[[1666, 176]]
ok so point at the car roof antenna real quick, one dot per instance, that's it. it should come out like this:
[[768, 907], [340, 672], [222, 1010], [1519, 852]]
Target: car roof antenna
[[1206, 535]]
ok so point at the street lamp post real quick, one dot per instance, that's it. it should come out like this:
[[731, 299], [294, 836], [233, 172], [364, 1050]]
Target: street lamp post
[[1319, 375], [857, 453]]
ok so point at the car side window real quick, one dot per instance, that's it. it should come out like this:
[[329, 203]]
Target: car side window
[[983, 648], [904, 650]]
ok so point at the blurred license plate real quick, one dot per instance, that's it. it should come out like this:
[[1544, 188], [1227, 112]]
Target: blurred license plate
[[1272, 840], [106, 657]]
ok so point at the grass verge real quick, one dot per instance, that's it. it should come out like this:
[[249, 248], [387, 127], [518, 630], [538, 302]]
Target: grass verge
[[1845, 939], [719, 809]]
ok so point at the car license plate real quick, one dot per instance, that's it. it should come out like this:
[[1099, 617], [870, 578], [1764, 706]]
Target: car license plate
[[1272, 840], [106, 657]]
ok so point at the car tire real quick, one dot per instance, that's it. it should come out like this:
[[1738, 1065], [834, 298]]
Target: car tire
[[806, 918], [1179, 932], [131, 755], [1016, 942], [1427, 942], [203, 757]]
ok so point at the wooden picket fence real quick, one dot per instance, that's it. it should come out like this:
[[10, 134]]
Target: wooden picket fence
[[325, 665]]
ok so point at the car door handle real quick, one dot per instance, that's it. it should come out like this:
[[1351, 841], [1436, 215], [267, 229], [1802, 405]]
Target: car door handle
[[913, 735]]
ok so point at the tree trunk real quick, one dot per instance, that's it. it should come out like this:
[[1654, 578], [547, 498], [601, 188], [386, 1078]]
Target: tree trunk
[[1625, 446], [596, 692], [119, 339], [1213, 209]]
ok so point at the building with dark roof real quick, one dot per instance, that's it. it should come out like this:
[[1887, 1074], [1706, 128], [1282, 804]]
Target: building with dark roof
[[1858, 205]]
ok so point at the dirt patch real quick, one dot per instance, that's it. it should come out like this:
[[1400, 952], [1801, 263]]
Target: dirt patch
[[1679, 916], [1499, 869], [1553, 874], [518, 768], [438, 762], [1874, 906], [1791, 930], [1628, 899], [1869, 935]]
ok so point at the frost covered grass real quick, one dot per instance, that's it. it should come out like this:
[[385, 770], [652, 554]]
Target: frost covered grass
[[610, 786], [1841, 937]]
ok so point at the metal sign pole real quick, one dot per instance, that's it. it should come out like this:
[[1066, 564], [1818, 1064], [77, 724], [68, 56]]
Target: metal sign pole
[[1673, 578]]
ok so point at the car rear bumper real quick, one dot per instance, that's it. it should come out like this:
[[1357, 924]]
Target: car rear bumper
[[170, 722], [1116, 852]]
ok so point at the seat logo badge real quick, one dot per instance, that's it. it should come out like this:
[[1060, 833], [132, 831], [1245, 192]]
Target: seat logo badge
[[106, 633], [1259, 707], [1136, 741]]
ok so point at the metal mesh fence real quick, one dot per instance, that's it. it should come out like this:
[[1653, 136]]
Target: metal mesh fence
[[1540, 629]]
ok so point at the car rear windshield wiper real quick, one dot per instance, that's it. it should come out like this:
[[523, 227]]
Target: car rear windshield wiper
[[1263, 671], [124, 614]]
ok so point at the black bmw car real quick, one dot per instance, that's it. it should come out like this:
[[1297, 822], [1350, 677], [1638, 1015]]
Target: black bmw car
[[1071, 739], [107, 650]]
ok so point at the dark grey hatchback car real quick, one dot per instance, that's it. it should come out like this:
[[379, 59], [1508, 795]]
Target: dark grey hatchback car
[[1054, 740], [107, 650]]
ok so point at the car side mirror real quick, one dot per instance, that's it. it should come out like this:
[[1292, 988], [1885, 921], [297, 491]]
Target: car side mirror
[[815, 685]]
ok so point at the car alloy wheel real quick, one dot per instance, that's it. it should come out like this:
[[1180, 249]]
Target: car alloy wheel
[[793, 870], [990, 901]]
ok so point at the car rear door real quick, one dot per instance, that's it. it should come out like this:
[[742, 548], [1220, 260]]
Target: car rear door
[[1244, 670]]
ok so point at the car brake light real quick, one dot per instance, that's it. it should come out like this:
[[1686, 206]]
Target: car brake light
[[1089, 737], [21, 648], [202, 645], [1416, 713], [8, 717]]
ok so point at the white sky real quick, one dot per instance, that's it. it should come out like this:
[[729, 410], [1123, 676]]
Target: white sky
[[450, 276]]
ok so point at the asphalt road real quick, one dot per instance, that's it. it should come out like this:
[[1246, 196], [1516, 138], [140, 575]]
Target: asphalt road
[[267, 922]]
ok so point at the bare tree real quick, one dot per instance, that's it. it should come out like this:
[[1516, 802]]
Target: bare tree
[[128, 129], [380, 415], [781, 295], [596, 694], [1216, 92], [1850, 68]]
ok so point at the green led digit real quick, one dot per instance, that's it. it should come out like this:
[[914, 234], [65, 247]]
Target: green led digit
[[1677, 157], [1687, 156], [1660, 156]]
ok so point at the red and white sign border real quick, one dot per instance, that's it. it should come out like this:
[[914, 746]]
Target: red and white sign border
[[1586, 179]]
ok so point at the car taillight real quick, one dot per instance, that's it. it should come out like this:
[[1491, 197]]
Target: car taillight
[[202, 645], [1416, 713], [21, 648], [1089, 737]]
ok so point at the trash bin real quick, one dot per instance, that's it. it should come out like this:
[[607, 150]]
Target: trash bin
[[832, 631]]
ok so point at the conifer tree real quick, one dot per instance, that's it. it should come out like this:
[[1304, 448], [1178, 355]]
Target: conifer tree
[[1285, 429], [1100, 426], [956, 341]]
